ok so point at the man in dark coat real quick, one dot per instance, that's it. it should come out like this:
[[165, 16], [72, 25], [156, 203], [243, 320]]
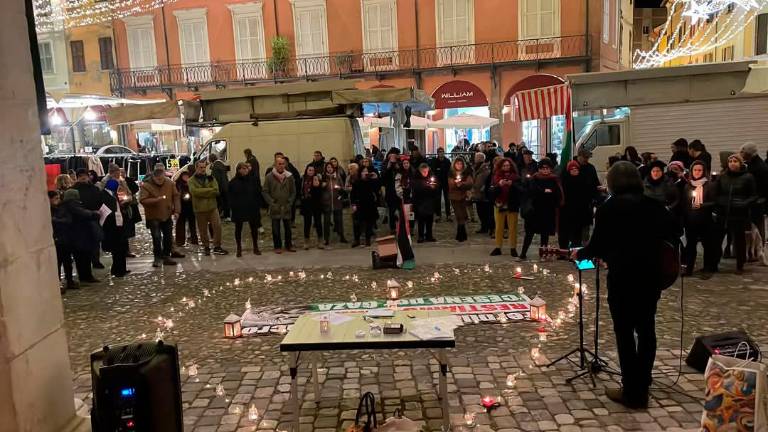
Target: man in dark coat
[[219, 172], [441, 166], [759, 170], [680, 152], [318, 161], [699, 153], [251, 160], [81, 235], [630, 231], [92, 199]]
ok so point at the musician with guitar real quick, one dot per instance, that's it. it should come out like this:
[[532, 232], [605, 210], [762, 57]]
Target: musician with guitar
[[634, 235]]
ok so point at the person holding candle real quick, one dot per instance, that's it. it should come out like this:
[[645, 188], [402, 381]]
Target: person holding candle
[[698, 222], [391, 169], [506, 193], [186, 213], [332, 204], [312, 205], [404, 188], [635, 274], [460, 182], [482, 171], [363, 197], [115, 240], [576, 215], [245, 206], [160, 199], [425, 193], [441, 167], [545, 197]]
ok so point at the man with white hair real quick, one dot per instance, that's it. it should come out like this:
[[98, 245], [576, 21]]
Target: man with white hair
[[759, 170]]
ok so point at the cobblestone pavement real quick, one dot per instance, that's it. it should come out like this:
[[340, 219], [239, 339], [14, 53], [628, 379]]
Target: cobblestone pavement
[[252, 371]]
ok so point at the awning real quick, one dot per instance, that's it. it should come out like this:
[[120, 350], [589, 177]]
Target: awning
[[459, 94], [465, 121], [540, 103], [156, 111], [416, 122]]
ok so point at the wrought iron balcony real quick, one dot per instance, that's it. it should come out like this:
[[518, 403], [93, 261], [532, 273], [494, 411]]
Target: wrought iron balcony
[[350, 64]]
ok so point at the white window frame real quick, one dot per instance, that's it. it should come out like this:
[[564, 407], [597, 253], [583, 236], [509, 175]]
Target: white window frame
[[198, 15], [525, 33], [303, 6], [440, 22], [250, 67], [606, 33], [53, 57], [142, 22], [392, 4]]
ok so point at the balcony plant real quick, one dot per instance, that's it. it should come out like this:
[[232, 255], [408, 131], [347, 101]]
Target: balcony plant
[[281, 53], [343, 62]]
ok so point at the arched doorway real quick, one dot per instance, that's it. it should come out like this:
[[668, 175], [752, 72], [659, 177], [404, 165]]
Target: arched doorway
[[454, 98], [540, 135]]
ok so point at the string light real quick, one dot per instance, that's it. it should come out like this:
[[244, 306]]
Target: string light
[[681, 44], [52, 14]]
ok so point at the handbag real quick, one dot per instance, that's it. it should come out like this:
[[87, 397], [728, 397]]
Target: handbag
[[735, 395], [365, 417], [399, 423]]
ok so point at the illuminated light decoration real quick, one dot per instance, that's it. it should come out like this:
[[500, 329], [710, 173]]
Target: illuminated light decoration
[[679, 43], [77, 13]]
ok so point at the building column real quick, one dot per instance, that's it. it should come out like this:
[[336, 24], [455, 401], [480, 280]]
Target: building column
[[35, 376], [495, 106]]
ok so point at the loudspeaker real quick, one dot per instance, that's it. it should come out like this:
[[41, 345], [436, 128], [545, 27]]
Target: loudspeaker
[[735, 343], [136, 387]]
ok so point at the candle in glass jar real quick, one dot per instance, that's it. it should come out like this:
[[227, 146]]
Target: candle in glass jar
[[325, 324]]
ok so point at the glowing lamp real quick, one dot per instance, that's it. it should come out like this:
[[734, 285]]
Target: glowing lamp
[[538, 308], [232, 327], [253, 413], [469, 419], [325, 324], [393, 289]]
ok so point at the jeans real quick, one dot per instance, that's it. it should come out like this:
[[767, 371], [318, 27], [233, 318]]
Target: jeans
[[181, 228], [314, 215], [276, 239], [634, 323], [708, 237], [162, 237], [737, 231], [338, 224], [443, 194], [529, 239]]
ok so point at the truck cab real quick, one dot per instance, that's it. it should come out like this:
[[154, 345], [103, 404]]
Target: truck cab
[[605, 137]]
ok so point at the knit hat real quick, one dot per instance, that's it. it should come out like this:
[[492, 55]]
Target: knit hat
[[572, 165], [657, 164], [546, 162], [676, 164], [736, 156], [71, 195], [112, 185]]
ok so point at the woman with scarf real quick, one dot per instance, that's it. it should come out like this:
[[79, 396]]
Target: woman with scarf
[[505, 191], [332, 204], [698, 203], [404, 189], [544, 197], [364, 200], [245, 205], [576, 215], [312, 205], [735, 193], [115, 239], [460, 182]]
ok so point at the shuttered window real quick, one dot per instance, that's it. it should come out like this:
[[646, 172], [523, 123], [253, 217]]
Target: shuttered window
[[193, 36], [46, 57], [78, 56], [105, 53], [455, 24], [539, 18], [379, 25], [141, 42], [761, 44], [310, 31]]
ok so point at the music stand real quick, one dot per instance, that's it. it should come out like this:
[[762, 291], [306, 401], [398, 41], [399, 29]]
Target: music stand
[[579, 349]]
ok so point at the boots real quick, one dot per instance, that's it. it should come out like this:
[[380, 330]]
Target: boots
[[461, 233], [239, 250], [255, 239]]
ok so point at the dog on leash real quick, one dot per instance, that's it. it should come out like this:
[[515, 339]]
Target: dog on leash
[[756, 247]]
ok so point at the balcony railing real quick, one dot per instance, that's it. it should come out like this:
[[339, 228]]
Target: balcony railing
[[350, 64]]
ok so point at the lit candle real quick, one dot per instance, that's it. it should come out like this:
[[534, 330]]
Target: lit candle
[[503, 317], [511, 380], [535, 268], [570, 278], [469, 419], [458, 178], [518, 270], [542, 334], [186, 196], [325, 324], [535, 351], [253, 413]]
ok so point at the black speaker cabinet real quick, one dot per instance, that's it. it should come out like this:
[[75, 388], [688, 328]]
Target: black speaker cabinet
[[726, 344], [136, 388]]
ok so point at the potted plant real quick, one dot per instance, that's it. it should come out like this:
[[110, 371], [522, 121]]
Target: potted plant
[[344, 62], [281, 52]]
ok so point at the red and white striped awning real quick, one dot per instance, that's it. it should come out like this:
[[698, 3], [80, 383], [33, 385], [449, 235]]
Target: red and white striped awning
[[543, 102]]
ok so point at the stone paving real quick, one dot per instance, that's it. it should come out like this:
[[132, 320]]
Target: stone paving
[[252, 371]]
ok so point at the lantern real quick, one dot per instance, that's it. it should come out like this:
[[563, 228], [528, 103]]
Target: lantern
[[511, 380], [232, 327], [393, 288], [538, 308], [325, 324], [253, 413], [469, 419]]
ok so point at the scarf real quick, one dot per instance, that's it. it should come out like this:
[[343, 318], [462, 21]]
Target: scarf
[[306, 188], [280, 177], [697, 196], [118, 212], [503, 197]]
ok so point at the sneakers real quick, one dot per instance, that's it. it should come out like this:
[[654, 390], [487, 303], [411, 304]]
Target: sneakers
[[120, 275], [632, 402], [496, 252], [176, 254], [219, 251]]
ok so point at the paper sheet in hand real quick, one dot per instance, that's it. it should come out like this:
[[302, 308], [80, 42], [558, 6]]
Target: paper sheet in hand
[[104, 211]]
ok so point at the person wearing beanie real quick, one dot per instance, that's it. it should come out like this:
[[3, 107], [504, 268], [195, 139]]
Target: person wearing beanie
[[630, 232], [698, 201], [736, 193], [659, 187], [576, 214], [115, 240], [544, 197], [759, 170]]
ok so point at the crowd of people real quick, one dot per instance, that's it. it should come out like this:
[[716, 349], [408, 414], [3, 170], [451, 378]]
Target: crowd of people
[[495, 188]]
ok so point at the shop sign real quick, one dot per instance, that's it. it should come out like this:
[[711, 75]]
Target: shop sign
[[459, 94]]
